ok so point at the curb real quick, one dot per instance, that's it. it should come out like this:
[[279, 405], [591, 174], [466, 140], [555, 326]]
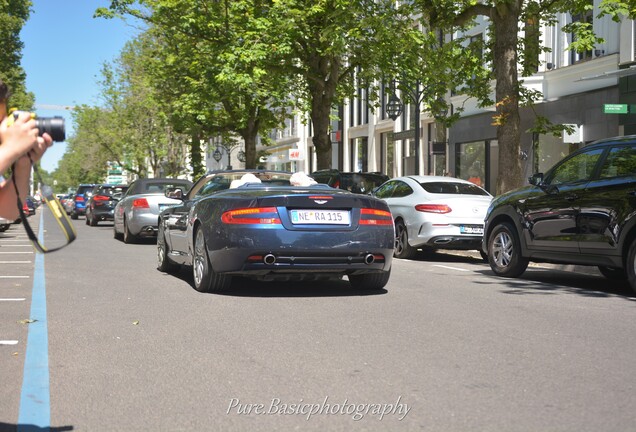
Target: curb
[[589, 270]]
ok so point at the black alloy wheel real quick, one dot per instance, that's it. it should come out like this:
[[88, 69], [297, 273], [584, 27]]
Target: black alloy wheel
[[402, 248], [206, 280], [163, 262], [504, 251]]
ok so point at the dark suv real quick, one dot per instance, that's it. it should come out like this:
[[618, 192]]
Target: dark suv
[[357, 182], [101, 205], [582, 211]]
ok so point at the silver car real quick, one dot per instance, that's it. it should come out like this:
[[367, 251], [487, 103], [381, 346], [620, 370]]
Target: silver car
[[432, 212], [137, 213]]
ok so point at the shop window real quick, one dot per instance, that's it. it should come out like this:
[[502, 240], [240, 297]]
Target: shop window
[[470, 162]]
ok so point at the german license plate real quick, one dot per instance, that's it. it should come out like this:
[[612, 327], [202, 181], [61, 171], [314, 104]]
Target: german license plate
[[471, 229], [320, 217]]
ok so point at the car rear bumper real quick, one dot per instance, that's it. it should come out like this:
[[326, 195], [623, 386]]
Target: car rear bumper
[[143, 224]]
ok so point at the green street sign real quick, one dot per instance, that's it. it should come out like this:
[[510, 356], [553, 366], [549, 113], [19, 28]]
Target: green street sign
[[615, 109]]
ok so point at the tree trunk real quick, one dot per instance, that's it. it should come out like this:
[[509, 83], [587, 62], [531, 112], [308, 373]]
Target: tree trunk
[[505, 20], [249, 135], [322, 82], [195, 156]]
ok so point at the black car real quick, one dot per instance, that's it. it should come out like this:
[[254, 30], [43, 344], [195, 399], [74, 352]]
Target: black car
[[582, 211], [356, 182], [272, 231], [101, 204], [82, 194]]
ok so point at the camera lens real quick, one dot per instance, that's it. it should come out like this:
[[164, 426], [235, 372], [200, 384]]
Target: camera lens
[[54, 126]]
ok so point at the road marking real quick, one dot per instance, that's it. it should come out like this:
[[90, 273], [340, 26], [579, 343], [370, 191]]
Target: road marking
[[14, 277], [12, 299], [20, 245], [16, 262], [35, 400], [8, 342], [450, 268], [16, 252]]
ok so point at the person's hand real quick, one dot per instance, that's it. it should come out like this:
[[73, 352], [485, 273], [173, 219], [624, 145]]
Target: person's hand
[[21, 136]]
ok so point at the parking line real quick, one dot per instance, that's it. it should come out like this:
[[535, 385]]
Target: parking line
[[12, 299], [8, 342], [35, 400], [16, 262], [450, 268], [13, 253], [14, 277]]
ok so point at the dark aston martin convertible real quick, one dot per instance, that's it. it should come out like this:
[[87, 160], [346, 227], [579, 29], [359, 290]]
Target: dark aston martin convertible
[[274, 231]]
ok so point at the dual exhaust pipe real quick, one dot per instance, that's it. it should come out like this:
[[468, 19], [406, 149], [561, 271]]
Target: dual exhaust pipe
[[270, 259]]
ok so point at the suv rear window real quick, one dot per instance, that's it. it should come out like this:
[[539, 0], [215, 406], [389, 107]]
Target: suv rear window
[[452, 188]]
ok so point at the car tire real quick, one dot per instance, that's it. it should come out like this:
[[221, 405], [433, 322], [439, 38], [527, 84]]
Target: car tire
[[116, 235], [163, 262], [630, 265], [504, 251], [128, 236], [402, 248], [613, 273], [74, 215], [206, 280], [370, 281], [93, 221]]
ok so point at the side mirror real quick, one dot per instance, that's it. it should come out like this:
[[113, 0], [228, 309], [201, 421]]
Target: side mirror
[[175, 194], [536, 179]]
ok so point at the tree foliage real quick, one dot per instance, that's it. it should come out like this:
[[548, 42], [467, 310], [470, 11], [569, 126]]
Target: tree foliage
[[13, 16]]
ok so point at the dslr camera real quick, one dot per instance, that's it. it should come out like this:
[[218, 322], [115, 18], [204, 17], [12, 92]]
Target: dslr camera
[[54, 126]]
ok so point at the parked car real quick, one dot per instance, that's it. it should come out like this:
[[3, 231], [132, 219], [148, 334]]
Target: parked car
[[274, 231], [28, 206], [356, 182], [81, 197], [5, 224], [433, 212], [68, 203], [582, 211], [137, 212], [101, 204]]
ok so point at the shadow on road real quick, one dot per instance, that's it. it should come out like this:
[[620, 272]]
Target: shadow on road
[[6, 427]]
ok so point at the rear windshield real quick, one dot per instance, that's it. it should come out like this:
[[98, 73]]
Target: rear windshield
[[162, 187], [114, 191], [223, 181], [84, 190], [453, 188]]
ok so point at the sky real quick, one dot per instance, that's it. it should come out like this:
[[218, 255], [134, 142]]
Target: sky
[[64, 50]]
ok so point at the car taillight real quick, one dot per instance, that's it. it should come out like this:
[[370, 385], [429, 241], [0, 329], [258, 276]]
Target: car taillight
[[79, 199], [140, 203], [370, 216], [25, 207], [100, 198], [259, 215], [433, 208]]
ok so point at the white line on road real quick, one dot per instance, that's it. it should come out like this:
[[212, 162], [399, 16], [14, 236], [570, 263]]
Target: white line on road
[[450, 268], [12, 299], [16, 262], [14, 277], [16, 252], [8, 342]]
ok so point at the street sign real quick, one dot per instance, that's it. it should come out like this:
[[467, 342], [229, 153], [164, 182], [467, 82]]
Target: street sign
[[615, 109]]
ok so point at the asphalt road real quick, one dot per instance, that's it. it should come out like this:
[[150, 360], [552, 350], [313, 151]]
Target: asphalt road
[[446, 347]]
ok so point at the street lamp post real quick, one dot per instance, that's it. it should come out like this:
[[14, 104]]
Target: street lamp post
[[217, 154], [394, 110]]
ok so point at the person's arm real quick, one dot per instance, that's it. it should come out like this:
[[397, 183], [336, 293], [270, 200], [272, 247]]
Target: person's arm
[[16, 140]]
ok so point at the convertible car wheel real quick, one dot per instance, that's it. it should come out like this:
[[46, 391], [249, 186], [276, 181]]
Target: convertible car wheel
[[205, 279], [370, 281], [163, 262], [116, 235], [504, 252], [402, 248], [128, 236]]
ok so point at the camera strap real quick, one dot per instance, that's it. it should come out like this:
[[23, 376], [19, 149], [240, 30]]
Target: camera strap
[[56, 209]]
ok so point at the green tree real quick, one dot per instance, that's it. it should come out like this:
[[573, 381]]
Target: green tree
[[13, 15], [213, 67], [508, 53]]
